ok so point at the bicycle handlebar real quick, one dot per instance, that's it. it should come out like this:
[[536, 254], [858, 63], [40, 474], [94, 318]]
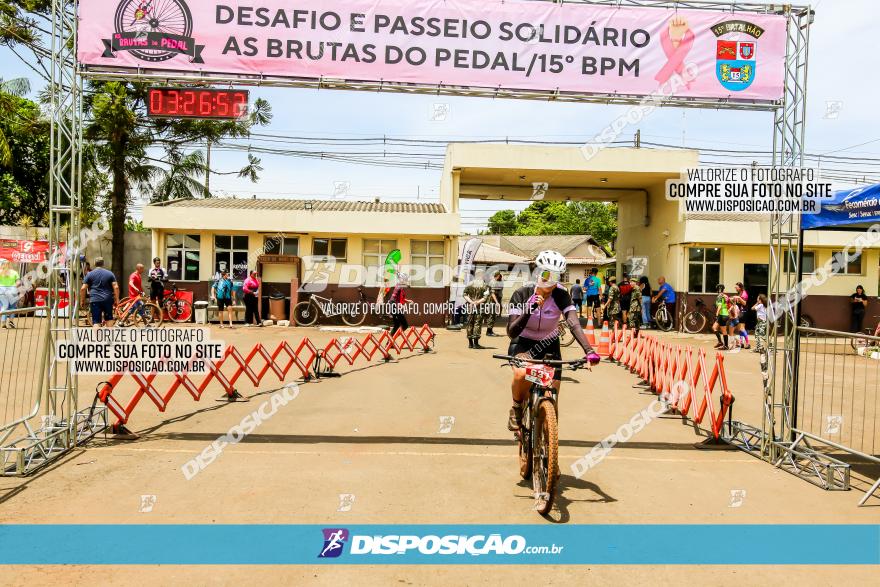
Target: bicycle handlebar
[[552, 362]]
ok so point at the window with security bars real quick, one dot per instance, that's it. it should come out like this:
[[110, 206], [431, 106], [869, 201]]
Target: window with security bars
[[231, 254]]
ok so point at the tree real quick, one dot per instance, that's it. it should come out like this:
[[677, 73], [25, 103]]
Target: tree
[[24, 156], [503, 222], [126, 139], [597, 219]]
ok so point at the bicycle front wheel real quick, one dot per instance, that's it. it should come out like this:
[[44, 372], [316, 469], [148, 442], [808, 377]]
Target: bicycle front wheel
[[305, 314], [151, 316], [179, 310], [694, 322], [663, 319], [545, 456]]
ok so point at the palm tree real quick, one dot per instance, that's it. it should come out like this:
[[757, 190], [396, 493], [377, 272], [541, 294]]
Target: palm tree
[[180, 180], [9, 90]]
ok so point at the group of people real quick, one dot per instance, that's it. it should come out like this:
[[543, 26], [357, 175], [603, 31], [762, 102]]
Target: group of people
[[101, 290], [628, 302], [730, 311]]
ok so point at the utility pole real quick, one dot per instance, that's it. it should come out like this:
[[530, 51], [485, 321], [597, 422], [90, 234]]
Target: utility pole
[[207, 193]]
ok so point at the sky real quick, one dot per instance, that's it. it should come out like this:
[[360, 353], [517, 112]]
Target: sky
[[843, 91]]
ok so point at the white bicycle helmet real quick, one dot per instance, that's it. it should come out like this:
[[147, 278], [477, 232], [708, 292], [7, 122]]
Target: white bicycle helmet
[[551, 265]]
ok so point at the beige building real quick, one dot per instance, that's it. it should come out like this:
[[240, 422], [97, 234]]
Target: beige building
[[196, 238], [693, 253]]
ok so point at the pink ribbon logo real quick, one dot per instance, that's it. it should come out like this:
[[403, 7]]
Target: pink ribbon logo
[[675, 56]]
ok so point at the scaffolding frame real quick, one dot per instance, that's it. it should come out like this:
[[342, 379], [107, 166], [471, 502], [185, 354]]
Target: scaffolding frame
[[774, 440]]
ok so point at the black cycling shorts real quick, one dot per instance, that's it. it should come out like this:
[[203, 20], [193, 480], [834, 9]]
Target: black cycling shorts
[[223, 303], [593, 301], [538, 349], [721, 320]]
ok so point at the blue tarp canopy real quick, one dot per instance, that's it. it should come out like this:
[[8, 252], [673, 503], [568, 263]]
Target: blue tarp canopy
[[860, 206]]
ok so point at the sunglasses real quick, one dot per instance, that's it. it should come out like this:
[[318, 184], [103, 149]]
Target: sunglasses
[[549, 276]]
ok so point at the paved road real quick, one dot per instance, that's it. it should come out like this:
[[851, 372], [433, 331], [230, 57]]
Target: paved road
[[375, 433]]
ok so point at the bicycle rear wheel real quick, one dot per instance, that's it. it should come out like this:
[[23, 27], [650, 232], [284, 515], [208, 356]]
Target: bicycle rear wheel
[[354, 314], [179, 310], [694, 322], [545, 456], [305, 313]]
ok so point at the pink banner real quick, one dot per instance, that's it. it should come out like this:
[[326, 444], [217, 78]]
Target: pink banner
[[476, 43]]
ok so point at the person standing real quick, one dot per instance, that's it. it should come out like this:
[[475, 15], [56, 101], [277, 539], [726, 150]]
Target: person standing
[[397, 301], [741, 299], [577, 296], [158, 275], [858, 303], [593, 284], [251, 288], [634, 317], [645, 287], [224, 294], [722, 314], [135, 292], [8, 292], [760, 308], [612, 304], [626, 292], [103, 291], [666, 295], [475, 296], [496, 294]]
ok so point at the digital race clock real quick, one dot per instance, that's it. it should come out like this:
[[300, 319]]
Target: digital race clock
[[197, 103]]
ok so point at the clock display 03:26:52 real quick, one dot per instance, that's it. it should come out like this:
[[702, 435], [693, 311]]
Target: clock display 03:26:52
[[197, 103]]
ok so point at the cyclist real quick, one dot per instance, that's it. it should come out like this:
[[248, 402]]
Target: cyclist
[[666, 295], [533, 327], [135, 293], [722, 316], [158, 275]]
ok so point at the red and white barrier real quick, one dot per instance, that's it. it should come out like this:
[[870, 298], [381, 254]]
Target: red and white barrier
[[305, 357], [675, 373]]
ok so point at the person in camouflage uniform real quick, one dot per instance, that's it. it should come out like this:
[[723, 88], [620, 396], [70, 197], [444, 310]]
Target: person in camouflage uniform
[[634, 319], [476, 294], [612, 305]]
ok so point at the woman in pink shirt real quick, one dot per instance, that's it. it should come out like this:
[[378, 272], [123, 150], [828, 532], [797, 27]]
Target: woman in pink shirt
[[251, 289]]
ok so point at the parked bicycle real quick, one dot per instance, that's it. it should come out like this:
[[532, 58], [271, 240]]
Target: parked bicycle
[[663, 318], [177, 308], [863, 343], [695, 321], [538, 434], [307, 312], [138, 312], [566, 338]]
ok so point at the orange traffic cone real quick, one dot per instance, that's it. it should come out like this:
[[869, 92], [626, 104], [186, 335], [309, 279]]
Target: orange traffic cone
[[591, 332], [604, 340]]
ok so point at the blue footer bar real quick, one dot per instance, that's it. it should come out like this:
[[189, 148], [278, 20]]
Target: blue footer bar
[[258, 544]]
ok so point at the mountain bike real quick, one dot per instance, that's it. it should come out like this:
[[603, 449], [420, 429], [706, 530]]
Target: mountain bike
[[538, 434], [695, 321], [177, 308], [138, 312], [663, 318], [860, 342], [306, 313]]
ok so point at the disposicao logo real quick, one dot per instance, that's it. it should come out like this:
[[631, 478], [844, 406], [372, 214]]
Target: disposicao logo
[[334, 541]]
